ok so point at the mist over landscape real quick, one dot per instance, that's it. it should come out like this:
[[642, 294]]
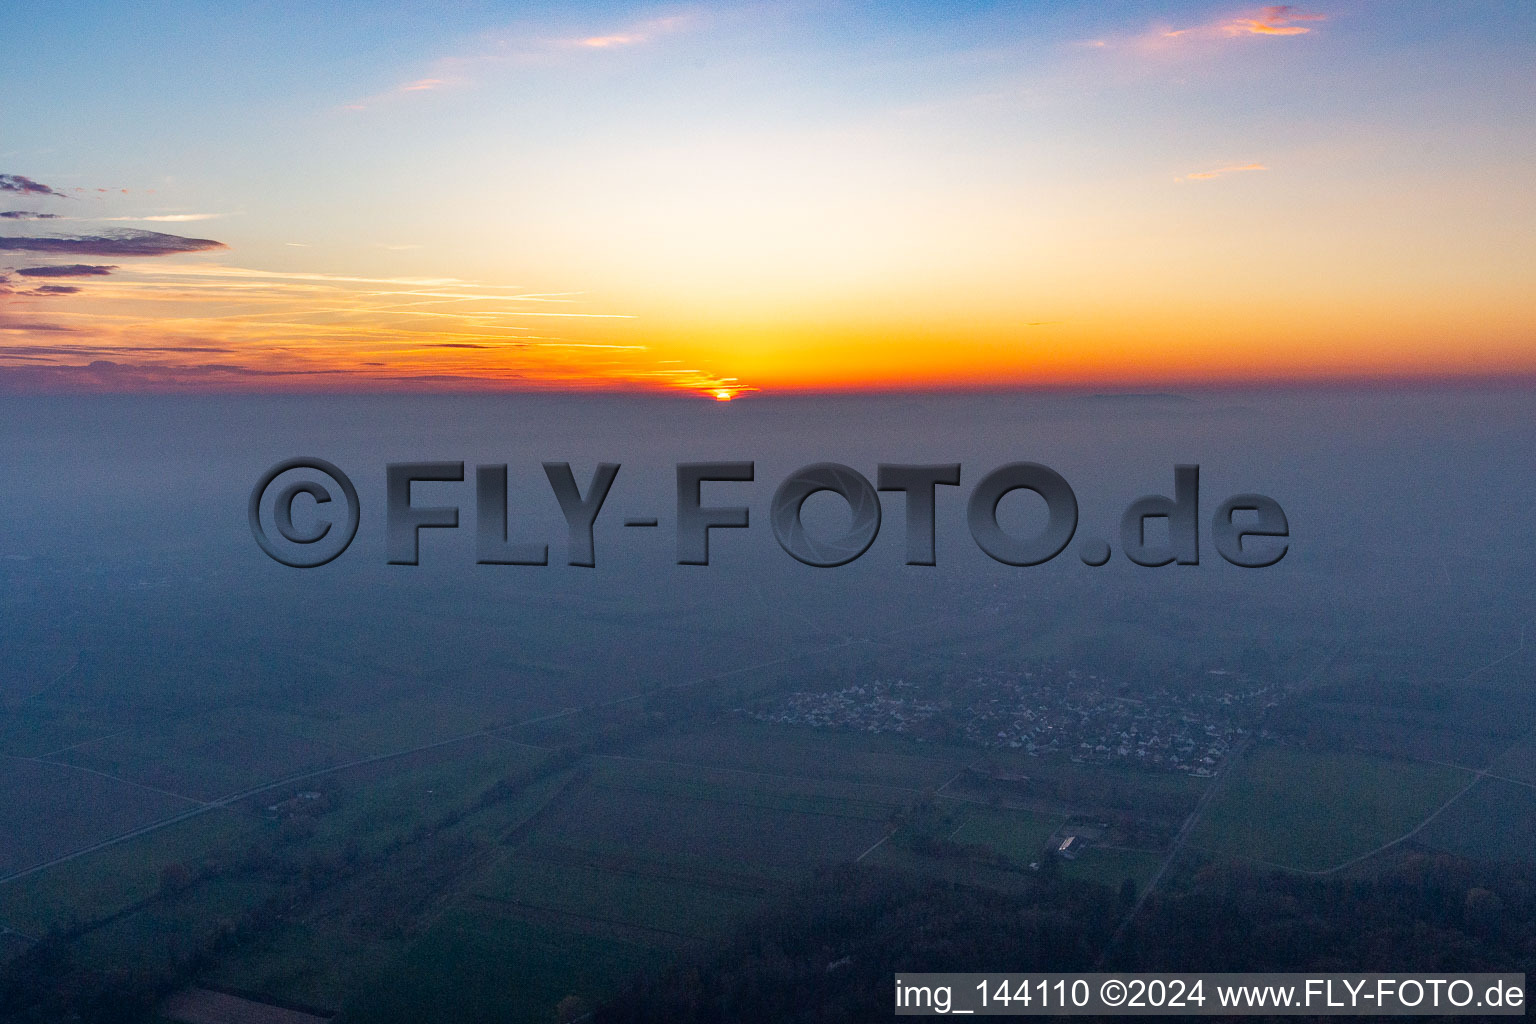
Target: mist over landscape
[[191, 729]]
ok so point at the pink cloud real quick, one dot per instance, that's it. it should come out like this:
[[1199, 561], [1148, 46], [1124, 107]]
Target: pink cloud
[[639, 34], [1272, 21], [1276, 20], [1220, 171]]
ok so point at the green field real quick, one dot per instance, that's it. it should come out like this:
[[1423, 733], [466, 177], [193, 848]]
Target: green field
[[1312, 810], [1494, 820], [754, 789], [956, 870], [744, 837], [210, 756], [884, 760], [36, 727], [1519, 761], [672, 907], [477, 965], [1019, 836], [81, 808], [1111, 867], [410, 721], [315, 963]]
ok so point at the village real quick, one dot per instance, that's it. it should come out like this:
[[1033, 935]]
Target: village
[[1046, 713]]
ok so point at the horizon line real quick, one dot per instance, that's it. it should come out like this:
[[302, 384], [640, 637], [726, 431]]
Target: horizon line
[[1167, 388]]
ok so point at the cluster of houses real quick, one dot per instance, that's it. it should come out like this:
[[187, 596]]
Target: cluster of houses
[[1067, 714]]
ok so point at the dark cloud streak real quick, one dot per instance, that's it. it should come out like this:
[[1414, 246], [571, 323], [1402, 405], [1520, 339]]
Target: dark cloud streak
[[29, 375], [23, 185], [31, 351], [108, 376], [125, 242], [57, 328], [68, 270]]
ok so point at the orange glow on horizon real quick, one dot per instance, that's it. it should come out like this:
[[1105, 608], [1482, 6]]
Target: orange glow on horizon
[[714, 204]]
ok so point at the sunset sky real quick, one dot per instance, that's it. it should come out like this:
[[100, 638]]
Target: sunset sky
[[764, 196]]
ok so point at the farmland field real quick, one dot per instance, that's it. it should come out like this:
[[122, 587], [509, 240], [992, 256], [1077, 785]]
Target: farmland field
[[478, 965], [1018, 835], [1311, 809], [757, 789], [1519, 761], [781, 750], [739, 837], [83, 807], [1109, 866], [954, 870], [685, 908], [208, 757], [378, 803], [1494, 819], [108, 880], [406, 721], [35, 728]]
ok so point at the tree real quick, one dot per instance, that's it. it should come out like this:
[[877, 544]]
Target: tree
[[1482, 909], [572, 1009]]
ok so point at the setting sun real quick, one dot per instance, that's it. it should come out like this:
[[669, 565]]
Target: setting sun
[[964, 214]]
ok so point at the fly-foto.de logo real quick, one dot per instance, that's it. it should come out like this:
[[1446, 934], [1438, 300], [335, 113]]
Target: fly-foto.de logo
[[1248, 530]]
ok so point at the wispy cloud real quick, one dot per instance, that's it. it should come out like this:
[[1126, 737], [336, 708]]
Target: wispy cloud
[[123, 242], [102, 350], [460, 70], [1275, 21], [106, 375], [215, 270], [604, 42], [1220, 171], [1272, 21], [26, 215], [1278, 20], [403, 89], [30, 328], [642, 33], [163, 218], [260, 329]]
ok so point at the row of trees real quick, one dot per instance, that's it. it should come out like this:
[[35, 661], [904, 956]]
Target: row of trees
[[829, 952]]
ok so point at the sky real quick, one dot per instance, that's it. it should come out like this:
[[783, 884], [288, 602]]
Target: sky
[[736, 198]]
